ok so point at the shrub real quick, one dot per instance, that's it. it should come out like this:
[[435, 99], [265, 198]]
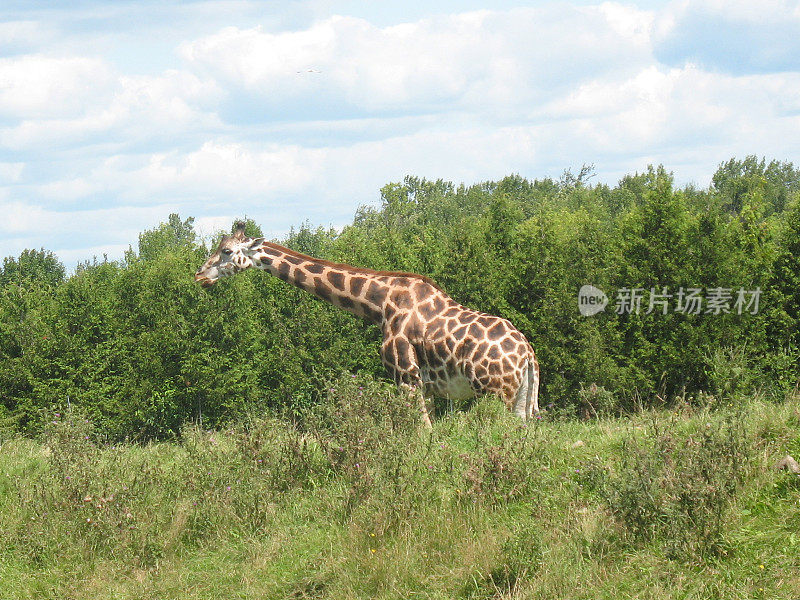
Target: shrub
[[596, 401], [367, 431], [677, 489]]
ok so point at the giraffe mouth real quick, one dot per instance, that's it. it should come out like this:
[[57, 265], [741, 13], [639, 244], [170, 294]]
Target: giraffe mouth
[[204, 281]]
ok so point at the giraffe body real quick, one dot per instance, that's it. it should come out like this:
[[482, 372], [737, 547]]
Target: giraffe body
[[431, 344]]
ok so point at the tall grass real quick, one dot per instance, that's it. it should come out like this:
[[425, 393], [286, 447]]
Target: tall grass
[[357, 501]]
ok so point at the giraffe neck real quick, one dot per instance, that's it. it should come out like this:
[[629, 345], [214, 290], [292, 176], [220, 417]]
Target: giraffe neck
[[362, 292]]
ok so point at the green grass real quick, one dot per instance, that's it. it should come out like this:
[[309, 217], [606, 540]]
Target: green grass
[[363, 503]]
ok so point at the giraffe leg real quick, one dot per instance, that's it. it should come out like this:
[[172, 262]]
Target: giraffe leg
[[425, 404], [400, 359]]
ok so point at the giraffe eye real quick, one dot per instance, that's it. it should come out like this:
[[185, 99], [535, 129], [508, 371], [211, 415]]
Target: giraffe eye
[[227, 252]]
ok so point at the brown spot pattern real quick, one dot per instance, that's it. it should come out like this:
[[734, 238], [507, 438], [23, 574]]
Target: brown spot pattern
[[337, 279], [356, 283]]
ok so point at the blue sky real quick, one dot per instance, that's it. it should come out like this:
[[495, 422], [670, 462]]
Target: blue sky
[[115, 114]]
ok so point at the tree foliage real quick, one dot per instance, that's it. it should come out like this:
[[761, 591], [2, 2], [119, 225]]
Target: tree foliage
[[142, 349]]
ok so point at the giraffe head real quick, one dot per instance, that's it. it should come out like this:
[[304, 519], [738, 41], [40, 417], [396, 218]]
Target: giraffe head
[[233, 254]]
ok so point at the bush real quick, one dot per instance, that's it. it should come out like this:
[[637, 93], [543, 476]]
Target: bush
[[674, 488], [368, 431]]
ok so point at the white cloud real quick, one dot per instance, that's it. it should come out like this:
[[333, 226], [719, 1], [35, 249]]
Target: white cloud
[[20, 217], [230, 168], [33, 134], [479, 60], [736, 36], [22, 35], [686, 118], [66, 232], [10, 172], [206, 227], [760, 13], [629, 22], [176, 93], [308, 123], [123, 109], [36, 87]]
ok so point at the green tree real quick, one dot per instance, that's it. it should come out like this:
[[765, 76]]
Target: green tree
[[173, 234], [772, 184], [32, 267]]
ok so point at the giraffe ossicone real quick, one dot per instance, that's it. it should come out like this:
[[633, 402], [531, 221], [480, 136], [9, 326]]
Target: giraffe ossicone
[[431, 344]]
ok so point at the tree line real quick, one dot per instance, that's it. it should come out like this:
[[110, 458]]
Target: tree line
[[702, 289]]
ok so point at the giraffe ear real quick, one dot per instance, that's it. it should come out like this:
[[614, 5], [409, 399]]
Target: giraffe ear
[[256, 243]]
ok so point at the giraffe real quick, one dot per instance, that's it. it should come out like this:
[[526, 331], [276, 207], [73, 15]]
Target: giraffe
[[432, 346]]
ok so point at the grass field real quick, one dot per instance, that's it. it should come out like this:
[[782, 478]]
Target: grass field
[[362, 503]]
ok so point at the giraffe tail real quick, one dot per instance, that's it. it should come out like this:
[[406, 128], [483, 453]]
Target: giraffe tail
[[532, 404], [526, 401], [522, 398]]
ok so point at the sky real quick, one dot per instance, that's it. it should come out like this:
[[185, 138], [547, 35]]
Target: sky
[[115, 114]]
